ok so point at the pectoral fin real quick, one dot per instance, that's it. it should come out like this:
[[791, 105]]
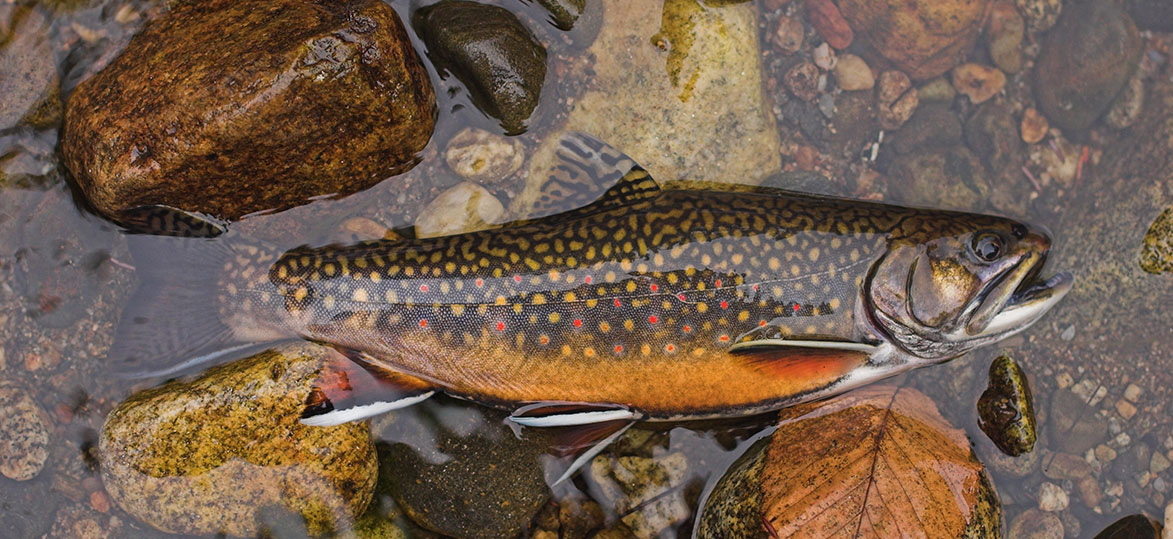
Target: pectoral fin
[[566, 414], [817, 361], [346, 390]]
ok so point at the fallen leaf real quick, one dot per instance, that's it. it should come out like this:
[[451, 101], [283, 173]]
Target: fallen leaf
[[877, 462]]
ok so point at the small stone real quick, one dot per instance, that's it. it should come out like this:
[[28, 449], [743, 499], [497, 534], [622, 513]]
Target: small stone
[[1131, 527], [1156, 254], [1115, 489], [1063, 380], [1089, 491], [1074, 426], [827, 20], [1133, 392], [464, 207], [645, 489], [1035, 524], [852, 73], [1128, 105], [1160, 485], [788, 35], [1034, 127], [1123, 439], [483, 157], [896, 99], [938, 89], [1005, 29], [364, 229], [491, 52], [992, 134], [1143, 478], [1168, 533], [932, 126], [1159, 462], [1041, 14], [1105, 453], [978, 82], [1066, 466], [578, 517], [1052, 497], [824, 57], [1006, 408], [1125, 409], [803, 80], [24, 433]]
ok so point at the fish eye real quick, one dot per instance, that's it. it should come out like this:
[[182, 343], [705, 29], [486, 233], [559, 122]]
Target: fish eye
[[987, 246]]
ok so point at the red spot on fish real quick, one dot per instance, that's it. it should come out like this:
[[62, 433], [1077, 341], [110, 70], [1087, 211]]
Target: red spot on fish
[[761, 323], [680, 296], [577, 322], [797, 307], [544, 339], [423, 288], [619, 349], [617, 302], [718, 283], [723, 338], [480, 283], [423, 322], [755, 287], [653, 319], [587, 279], [724, 304], [517, 278], [655, 287], [687, 329], [670, 348], [500, 326]]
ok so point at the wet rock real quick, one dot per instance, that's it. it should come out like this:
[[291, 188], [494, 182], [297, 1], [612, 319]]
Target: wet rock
[[734, 507], [1074, 427], [491, 52], [483, 157], [463, 208], [803, 80], [230, 107], [938, 89], [646, 491], [923, 39], [81, 522], [28, 78], [788, 35], [1040, 14], [1052, 497], [896, 99], [1035, 524], [1005, 29], [978, 82], [824, 57], [1085, 61], [1089, 491], [700, 113], [1156, 254], [1034, 126], [1066, 466], [1128, 105], [1156, 15], [992, 135], [1131, 527], [1006, 408], [578, 517], [932, 126], [852, 73], [564, 13], [25, 431], [461, 472], [207, 456], [825, 17], [951, 177]]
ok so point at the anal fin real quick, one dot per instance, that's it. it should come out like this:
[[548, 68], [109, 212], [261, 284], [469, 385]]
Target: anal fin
[[349, 390], [567, 414]]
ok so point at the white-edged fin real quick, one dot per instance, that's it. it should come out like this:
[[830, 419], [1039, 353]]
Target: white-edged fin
[[544, 414], [591, 453], [355, 413], [760, 344]]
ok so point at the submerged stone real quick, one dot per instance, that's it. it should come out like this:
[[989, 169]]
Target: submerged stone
[[1156, 254], [28, 78], [491, 52], [944, 178], [923, 38], [1131, 527], [231, 107], [210, 455], [24, 433], [564, 13], [1086, 60], [1006, 411]]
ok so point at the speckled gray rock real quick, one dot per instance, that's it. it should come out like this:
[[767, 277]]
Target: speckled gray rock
[[207, 456], [28, 78], [491, 52], [24, 433]]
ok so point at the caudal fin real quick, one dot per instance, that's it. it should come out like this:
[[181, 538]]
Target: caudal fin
[[172, 321]]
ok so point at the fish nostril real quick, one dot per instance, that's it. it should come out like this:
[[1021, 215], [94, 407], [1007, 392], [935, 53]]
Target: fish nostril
[[1018, 230]]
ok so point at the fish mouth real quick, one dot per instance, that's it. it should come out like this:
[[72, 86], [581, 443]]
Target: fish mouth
[[1019, 299]]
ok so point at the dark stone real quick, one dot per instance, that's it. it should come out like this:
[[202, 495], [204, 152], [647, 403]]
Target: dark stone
[[1086, 60], [564, 13], [1074, 426], [809, 120], [931, 126], [992, 133], [491, 52], [1131, 527], [1156, 15], [458, 470], [1006, 411], [734, 507], [231, 107], [946, 178]]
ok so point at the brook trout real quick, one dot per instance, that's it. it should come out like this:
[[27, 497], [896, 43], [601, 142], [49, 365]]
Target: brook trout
[[670, 302]]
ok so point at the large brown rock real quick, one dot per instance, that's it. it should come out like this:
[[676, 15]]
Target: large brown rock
[[230, 107], [923, 38]]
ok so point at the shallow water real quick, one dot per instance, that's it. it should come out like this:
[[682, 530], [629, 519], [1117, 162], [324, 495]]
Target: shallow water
[[65, 275]]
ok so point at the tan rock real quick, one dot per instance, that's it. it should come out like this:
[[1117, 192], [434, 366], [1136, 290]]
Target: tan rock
[[852, 73], [978, 82], [24, 433], [463, 208], [697, 111], [28, 78], [1034, 126], [483, 157], [923, 38], [205, 456], [896, 99], [788, 35]]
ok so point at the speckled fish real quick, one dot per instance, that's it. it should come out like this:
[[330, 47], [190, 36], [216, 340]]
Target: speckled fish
[[654, 302]]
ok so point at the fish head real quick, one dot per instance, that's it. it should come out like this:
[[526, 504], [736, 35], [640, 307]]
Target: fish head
[[951, 282]]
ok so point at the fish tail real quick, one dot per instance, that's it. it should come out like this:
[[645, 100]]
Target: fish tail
[[173, 320]]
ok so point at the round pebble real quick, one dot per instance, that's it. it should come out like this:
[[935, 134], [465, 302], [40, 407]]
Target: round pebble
[[896, 99], [1035, 524], [978, 82], [853, 73], [1052, 497], [803, 81], [463, 208], [483, 157], [788, 35], [24, 433], [1034, 126]]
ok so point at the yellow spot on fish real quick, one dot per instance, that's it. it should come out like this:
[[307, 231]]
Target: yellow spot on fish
[[835, 303], [391, 296], [457, 310], [569, 297], [630, 286], [539, 299], [813, 255], [743, 316], [702, 307], [360, 295], [328, 302], [629, 324], [554, 317]]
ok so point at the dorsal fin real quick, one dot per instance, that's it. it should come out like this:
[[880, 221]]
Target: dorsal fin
[[591, 176], [159, 220]]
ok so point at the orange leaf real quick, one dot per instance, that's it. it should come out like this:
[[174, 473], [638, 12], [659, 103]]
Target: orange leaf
[[878, 462]]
